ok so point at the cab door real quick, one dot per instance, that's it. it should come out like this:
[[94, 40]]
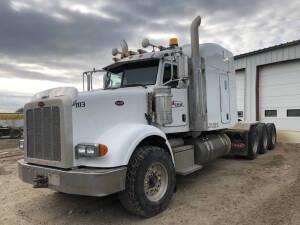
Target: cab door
[[179, 95]]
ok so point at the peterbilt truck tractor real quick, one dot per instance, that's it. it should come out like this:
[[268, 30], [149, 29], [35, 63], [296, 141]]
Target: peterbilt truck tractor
[[162, 111]]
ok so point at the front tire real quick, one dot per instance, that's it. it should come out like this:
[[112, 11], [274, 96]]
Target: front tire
[[150, 181]]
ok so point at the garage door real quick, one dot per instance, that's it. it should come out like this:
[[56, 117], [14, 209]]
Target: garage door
[[240, 89], [280, 95]]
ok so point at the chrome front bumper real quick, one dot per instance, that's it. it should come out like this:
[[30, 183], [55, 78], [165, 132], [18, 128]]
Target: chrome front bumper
[[80, 181]]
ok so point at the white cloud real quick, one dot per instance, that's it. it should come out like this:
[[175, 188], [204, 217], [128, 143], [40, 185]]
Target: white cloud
[[160, 36], [89, 10], [19, 5], [28, 86]]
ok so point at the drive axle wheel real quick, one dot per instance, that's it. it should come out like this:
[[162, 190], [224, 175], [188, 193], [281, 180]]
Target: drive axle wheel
[[150, 181], [253, 141], [271, 130], [263, 138]]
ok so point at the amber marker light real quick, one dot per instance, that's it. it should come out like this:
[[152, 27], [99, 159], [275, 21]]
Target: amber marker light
[[102, 150], [173, 41], [122, 55]]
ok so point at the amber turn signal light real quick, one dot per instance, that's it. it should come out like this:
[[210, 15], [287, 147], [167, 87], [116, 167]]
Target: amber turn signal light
[[102, 150]]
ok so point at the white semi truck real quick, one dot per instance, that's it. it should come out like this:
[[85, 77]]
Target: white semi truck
[[162, 112]]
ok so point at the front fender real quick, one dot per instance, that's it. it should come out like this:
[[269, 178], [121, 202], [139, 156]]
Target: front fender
[[121, 141]]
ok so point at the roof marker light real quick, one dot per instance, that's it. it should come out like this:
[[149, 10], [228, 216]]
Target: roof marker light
[[173, 42]]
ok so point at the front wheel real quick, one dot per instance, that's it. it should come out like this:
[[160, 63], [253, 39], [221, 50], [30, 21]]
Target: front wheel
[[150, 181]]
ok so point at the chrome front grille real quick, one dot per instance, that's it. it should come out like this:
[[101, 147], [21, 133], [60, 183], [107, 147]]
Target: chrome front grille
[[43, 133]]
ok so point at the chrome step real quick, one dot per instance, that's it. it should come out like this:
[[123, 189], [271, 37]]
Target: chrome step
[[184, 160]]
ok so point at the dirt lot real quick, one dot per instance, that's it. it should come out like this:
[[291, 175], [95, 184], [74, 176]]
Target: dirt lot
[[227, 191], [6, 143]]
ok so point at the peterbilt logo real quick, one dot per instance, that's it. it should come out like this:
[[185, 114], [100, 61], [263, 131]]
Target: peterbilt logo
[[41, 104], [177, 104]]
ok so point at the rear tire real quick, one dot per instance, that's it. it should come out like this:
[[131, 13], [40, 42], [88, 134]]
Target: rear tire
[[150, 181], [271, 130], [263, 138], [253, 141]]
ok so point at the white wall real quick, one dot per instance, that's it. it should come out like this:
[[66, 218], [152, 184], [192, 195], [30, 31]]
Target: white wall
[[240, 92], [280, 91], [260, 59]]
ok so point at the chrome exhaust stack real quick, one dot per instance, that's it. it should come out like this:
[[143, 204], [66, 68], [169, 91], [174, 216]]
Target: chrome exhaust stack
[[197, 88]]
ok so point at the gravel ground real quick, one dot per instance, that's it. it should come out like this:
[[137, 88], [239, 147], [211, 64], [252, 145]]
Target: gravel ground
[[6, 143], [227, 191]]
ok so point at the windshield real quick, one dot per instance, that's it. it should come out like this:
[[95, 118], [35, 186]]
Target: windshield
[[133, 74]]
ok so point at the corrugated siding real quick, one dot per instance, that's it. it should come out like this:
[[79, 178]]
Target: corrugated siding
[[240, 90], [250, 63]]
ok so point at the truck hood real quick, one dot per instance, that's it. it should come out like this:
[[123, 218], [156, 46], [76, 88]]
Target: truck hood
[[95, 112]]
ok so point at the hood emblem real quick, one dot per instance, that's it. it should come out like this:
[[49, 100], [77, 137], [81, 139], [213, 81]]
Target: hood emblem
[[41, 104], [119, 103]]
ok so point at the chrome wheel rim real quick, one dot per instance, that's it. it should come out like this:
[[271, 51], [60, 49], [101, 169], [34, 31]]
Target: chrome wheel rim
[[156, 182]]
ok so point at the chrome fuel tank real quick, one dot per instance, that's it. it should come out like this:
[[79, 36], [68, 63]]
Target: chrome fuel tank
[[210, 146]]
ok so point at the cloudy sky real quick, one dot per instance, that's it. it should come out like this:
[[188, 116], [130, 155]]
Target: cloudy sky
[[45, 44]]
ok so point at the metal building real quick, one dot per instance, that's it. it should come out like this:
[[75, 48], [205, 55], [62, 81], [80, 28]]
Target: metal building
[[268, 88]]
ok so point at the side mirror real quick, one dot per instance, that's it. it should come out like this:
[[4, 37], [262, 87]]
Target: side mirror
[[145, 43]]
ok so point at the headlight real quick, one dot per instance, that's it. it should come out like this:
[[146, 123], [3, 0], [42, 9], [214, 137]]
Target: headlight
[[21, 144], [90, 150], [81, 150]]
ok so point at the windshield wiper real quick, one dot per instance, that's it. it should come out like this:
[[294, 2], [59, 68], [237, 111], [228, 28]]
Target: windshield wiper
[[135, 85]]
